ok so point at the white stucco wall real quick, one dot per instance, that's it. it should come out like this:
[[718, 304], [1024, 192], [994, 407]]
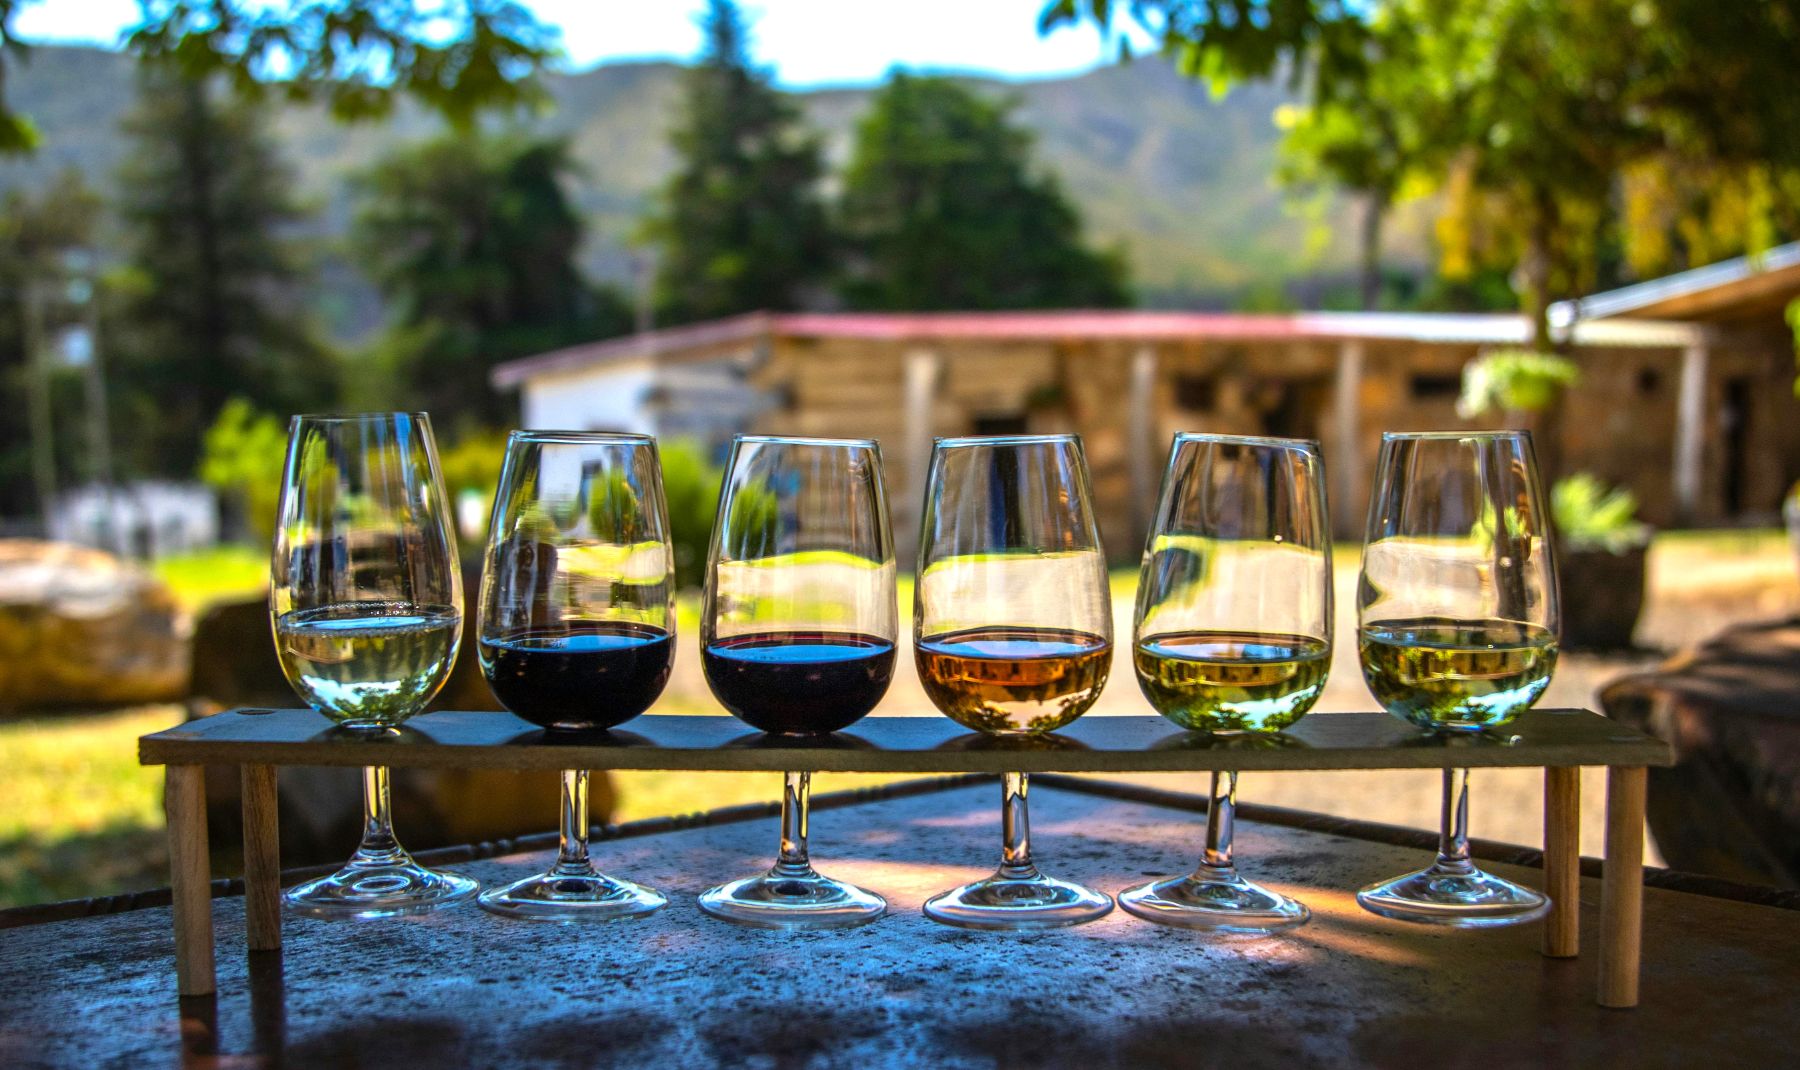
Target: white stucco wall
[[604, 399]]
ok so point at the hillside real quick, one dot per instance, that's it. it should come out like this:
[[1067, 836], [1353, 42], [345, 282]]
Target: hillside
[[1179, 180]]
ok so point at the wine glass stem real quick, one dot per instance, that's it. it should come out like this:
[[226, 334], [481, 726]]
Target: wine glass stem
[[1453, 837], [1015, 829], [572, 847], [796, 795], [1221, 822], [378, 842]]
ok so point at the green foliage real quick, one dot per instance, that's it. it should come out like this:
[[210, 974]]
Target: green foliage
[[242, 457], [213, 285], [1793, 318], [473, 241], [741, 225], [1514, 380], [1591, 515], [691, 488], [941, 211]]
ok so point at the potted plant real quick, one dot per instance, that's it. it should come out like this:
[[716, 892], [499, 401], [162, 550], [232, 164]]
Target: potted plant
[[1602, 550]]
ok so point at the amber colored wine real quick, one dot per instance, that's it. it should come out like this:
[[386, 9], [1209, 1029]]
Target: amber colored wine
[[1457, 674], [368, 664], [1013, 680], [583, 676], [1232, 681]]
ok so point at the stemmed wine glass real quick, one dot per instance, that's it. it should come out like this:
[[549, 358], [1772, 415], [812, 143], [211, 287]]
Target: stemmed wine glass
[[1458, 619], [365, 593], [799, 630], [577, 631], [1233, 636], [1012, 631]]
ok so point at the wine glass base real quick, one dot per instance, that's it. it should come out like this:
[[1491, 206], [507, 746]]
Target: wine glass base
[[776, 901], [380, 890], [1436, 896], [572, 897], [1036, 902], [1223, 905]]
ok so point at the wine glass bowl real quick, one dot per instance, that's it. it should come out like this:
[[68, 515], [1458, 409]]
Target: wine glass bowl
[[1012, 635], [1458, 617], [577, 630], [1232, 639], [365, 599]]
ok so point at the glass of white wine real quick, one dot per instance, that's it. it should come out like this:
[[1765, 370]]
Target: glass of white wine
[[1233, 638], [366, 594], [1458, 618]]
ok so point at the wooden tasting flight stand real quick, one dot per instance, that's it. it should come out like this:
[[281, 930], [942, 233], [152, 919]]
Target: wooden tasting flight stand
[[259, 740]]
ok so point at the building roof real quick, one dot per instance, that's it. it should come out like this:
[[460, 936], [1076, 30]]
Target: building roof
[[1741, 288], [1125, 325]]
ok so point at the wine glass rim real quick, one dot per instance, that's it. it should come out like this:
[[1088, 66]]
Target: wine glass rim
[[1005, 440], [1247, 440], [1396, 436], [356, 417], [804, 440], [578, 437]]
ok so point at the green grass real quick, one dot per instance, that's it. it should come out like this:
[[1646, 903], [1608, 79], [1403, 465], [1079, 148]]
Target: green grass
[[221, 574]]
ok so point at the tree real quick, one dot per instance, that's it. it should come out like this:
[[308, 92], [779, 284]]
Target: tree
[[213, 282], [458, 58], [472, 240], [941, 210], [741, 225]]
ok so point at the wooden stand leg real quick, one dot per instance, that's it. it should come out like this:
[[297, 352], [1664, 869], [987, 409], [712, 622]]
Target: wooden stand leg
[[1622, 896], [1562, 861], [262, 859], [190, 877]]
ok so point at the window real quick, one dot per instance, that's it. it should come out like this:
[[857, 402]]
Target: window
[[1426, 386], [1000, 424], [1196, 393], [1649, 381]]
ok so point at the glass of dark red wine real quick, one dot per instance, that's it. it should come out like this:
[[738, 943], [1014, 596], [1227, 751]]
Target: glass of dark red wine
[[1012, 631], [798, 630], [577, 629]]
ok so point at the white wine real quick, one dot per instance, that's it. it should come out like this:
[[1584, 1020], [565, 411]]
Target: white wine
[[368, 664], [1458, 674], [1232, 681]]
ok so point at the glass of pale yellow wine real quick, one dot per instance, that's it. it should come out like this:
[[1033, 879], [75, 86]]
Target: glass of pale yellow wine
[[1458, 616]]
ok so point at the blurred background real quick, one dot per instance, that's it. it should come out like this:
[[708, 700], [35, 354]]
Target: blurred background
[[891, 220]]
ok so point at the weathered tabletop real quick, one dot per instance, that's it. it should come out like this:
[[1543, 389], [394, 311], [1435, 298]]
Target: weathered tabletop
[[462, 988]]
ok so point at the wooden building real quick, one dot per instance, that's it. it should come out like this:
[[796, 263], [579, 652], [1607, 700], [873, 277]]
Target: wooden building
[[1688, 402]]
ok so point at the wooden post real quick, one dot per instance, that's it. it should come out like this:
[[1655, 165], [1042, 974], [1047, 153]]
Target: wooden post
[[1690, 431], [1346, 439], [262, 859], [1141, 440], [1562, 861], [918, 407], [190, 877], [1622, 894]]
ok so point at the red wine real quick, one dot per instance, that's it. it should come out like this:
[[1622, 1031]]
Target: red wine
[[583, 676], [799, 683]]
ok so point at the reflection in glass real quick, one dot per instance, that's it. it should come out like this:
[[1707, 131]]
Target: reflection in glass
[[799, 630], [366, 596], [1233, 636], [1458, 619], [1012, 630], [577, 631]]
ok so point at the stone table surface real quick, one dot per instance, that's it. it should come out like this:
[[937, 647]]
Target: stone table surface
[[1721, 982]]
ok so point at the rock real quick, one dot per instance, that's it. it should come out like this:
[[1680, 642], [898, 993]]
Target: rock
[[81, 627]]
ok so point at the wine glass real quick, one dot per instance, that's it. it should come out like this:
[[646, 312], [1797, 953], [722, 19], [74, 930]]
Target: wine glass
[[365, 593], [577, 630], [1012, 633], [1457, 628], [799, 630], [1232, 636]]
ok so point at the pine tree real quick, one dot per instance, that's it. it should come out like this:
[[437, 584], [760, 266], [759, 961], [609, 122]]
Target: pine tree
[[214, 285], [472, 241], [741, 226], [941, 211]]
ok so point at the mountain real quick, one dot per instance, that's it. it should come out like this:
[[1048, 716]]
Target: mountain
[[1180, 180]]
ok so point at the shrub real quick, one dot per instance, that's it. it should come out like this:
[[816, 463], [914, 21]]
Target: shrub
[[1513, 380], [1590, 515]]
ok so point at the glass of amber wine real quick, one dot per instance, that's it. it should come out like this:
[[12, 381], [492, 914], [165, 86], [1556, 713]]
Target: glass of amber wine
[[1232, 637], [800, 624], [577, 630], [1012, 635], [366, 595], [1458, 619]]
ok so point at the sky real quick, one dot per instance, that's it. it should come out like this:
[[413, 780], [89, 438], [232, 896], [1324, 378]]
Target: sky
[[807, 42]]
